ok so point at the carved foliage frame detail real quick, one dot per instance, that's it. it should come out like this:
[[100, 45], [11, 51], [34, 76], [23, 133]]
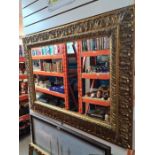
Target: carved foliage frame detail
[[120, 24], [39, 151]]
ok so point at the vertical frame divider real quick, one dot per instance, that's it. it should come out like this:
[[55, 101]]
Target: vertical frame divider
[[65, 79], [79, 76]]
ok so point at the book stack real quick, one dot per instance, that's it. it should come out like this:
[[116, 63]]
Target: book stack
[[47, 66], [47, 50], [37, 65], [94, 44], [57, 66]]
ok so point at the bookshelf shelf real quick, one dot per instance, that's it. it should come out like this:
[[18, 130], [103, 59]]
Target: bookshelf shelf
[[47, 57], [23, 97], [21, 59], [82, 55], [48, 73], [102, 76], [95, 53], [96, 101], [23, 76], [46, 91], [66, 74]]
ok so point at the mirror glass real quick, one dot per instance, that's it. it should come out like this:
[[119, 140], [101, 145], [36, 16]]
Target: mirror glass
[[75, 76]]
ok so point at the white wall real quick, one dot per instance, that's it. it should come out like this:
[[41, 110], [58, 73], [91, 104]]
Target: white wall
[[38, 18], [20, 20]]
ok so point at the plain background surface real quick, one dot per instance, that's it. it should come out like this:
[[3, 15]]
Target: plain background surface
[[37, 12]]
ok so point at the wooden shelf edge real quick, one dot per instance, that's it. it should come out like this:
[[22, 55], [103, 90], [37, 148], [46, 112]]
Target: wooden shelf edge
[[49, 73], [103, 76], [95, 53], [96, 101], [23, 97], [44, 57], [24, 117], [21, 59], [22, 76], [46, 91]]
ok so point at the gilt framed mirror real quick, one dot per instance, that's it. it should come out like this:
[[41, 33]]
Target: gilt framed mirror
[[102, 49]]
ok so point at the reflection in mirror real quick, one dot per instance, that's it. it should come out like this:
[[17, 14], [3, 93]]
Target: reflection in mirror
[[74, 76]]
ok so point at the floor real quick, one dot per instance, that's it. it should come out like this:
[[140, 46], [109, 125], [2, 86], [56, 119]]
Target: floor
[[24, 145]]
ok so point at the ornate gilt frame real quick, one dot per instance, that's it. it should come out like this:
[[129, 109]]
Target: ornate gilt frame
[[120, 24], [38, 150]]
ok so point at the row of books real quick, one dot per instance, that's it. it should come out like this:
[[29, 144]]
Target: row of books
[[53, 67], [47, 50], [96, 44], [48, 66], [92, 44]]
